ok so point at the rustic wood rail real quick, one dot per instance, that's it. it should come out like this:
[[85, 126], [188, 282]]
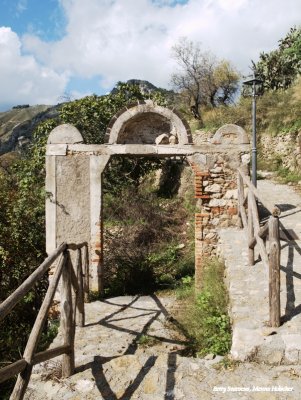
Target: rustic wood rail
[[73, 280], [264, 234]]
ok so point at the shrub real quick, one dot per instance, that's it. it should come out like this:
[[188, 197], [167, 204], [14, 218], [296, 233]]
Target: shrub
[[204, 315]]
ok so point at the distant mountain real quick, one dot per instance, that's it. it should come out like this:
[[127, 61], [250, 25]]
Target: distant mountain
[[145, 86], [18, 124]]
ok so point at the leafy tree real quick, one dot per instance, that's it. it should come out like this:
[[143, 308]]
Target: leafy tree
[[92, 114], [202, 78], [279, 68]]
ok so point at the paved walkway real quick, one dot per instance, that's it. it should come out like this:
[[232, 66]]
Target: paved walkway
[[248, 287], [116, 360], [130, 347]]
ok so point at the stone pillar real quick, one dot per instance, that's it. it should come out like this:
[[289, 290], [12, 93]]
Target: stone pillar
[[50, 187], [68, 191], [97, 166]]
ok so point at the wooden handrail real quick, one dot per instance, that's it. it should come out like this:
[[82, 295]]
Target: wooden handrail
[[11, 370], [255, 236], [18, 366], [263, 232], [272, 208], [7, 305], [70, 280], [23, 379]]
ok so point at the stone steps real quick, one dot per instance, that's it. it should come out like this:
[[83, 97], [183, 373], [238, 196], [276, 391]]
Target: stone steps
[[248, 289]]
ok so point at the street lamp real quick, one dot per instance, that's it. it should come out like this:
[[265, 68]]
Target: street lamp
[[254, 83]]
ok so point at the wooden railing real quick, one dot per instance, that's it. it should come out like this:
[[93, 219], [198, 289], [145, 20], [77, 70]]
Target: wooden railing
[[265, 234], [72, 280]]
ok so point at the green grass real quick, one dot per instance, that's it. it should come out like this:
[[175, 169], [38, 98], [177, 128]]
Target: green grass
[[204, 314], [287, 175], [48, 336], [284, 174], [147, 341]]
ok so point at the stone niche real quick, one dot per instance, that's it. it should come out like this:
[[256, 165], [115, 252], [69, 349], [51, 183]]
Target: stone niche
[[144, 129], [230, 134], [148, 123]]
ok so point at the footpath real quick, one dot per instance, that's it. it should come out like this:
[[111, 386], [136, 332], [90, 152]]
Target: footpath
[[249, 287], [130, 347]]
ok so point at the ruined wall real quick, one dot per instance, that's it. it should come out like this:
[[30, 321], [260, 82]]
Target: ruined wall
[[215, 187], [74, 180], [216, 191]]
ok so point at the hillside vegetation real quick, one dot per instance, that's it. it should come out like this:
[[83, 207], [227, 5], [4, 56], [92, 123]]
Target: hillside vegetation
[[20, 122], [277, 112]]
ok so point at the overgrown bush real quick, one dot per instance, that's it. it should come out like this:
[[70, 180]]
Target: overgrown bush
[[277, 112], [142, 237], [204, 315]]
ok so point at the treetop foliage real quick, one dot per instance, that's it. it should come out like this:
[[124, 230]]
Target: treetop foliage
[[202, 78], [279, 68]]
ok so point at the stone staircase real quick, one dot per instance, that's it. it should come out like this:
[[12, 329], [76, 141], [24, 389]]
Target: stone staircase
[[248, 287]]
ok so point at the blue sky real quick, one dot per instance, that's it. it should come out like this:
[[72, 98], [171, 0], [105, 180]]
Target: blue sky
[[52, 48], [46, 18]]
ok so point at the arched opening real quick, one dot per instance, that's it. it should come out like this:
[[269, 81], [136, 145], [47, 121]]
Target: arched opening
[[144, 129]]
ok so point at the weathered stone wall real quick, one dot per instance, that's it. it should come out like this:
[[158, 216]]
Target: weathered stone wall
[[216, 191], [73, 199], [284, 148]]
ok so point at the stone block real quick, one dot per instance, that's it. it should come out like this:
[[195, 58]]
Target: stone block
[[232, 211], [245, 343], [216, 170], [217, 203], [231, 194]]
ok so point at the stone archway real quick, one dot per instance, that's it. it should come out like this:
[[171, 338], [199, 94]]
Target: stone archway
[[144, 122], [74, 178]]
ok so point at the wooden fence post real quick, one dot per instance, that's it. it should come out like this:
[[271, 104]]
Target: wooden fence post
[[250, 229], [24, 376], [240, 196], [67, 320], [274, 272]]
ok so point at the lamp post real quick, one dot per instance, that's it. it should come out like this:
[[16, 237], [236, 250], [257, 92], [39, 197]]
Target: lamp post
[[254, 83]]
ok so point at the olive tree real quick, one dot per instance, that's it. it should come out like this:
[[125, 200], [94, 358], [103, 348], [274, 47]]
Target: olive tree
[[201, 77]]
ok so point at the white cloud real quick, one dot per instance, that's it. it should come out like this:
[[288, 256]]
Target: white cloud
[[127, 39], [22, 79], [124, 39]]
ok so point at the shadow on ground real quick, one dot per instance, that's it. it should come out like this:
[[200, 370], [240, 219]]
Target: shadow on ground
[[97, 365]]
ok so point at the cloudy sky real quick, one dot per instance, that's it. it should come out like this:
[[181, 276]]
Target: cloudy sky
[[49, 48]]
